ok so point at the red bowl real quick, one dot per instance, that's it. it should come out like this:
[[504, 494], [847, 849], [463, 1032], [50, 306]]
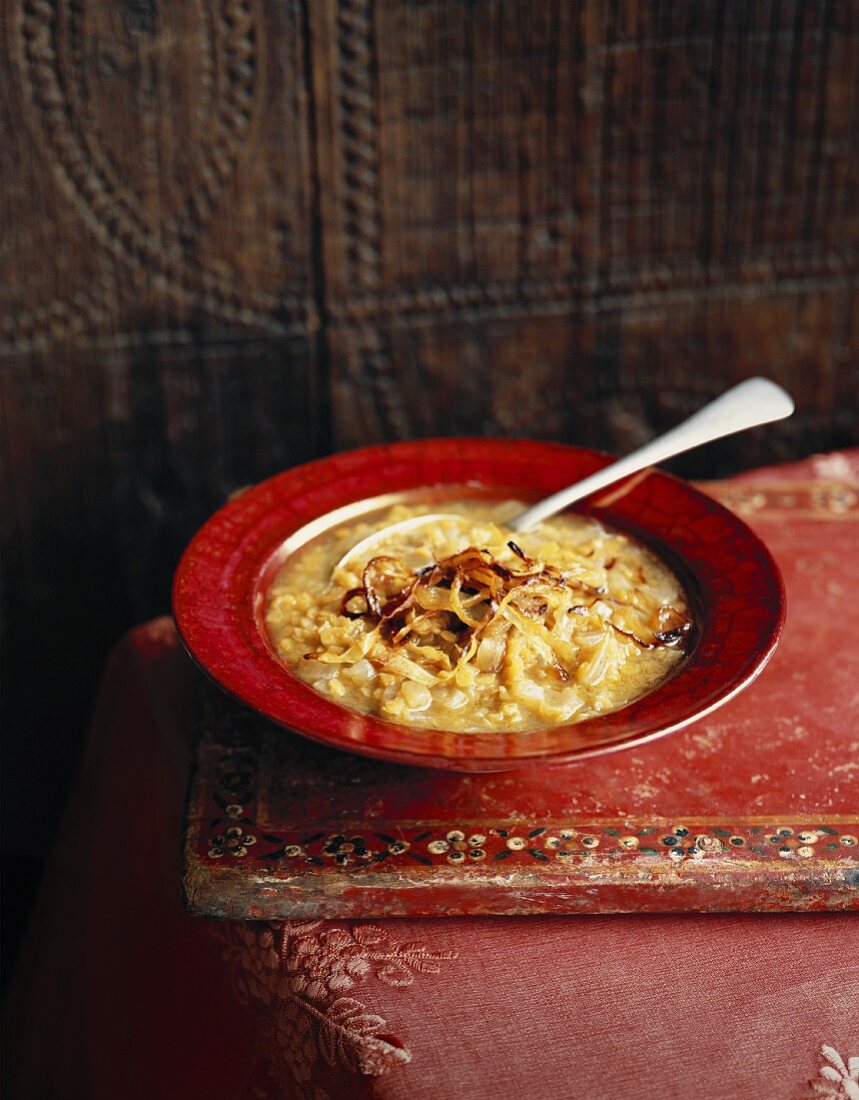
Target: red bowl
[[733, 583]]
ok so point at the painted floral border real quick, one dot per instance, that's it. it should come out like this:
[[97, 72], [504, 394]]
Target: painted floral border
[[541, 844], [230, 833]]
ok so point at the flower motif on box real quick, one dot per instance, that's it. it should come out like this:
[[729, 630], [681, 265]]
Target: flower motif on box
[[558, 843]]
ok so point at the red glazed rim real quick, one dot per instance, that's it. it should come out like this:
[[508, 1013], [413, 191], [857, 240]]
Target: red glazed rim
[[730, 576]]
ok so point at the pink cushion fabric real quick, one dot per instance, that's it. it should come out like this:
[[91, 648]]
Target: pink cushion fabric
[[120, 994]]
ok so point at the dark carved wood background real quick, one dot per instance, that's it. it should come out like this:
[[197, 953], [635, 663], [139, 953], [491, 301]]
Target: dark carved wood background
[[237, 234]]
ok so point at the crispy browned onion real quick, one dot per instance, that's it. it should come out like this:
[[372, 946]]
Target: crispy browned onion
[[441, 612]]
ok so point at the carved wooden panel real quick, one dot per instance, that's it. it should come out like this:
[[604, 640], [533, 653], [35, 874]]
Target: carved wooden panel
[[159, 154], [497, 173]]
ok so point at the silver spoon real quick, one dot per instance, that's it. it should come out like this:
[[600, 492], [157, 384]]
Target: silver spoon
[[753, 402]]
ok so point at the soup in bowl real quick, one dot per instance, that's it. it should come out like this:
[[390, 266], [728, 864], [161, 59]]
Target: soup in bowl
[[463, 624], [458, 643]]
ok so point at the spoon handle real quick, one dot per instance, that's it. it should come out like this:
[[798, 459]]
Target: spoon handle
[[756, 401]]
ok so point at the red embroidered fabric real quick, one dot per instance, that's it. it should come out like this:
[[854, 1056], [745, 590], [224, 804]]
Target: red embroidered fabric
[[120, 994]]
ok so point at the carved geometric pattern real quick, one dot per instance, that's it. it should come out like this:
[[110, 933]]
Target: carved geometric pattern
[[356, 52], [148, 216], [85, 171]]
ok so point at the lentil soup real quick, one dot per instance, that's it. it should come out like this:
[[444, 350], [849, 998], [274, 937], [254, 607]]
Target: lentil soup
[[467, 626]]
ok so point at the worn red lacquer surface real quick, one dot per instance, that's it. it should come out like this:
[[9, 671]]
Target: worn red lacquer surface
[[729, 574], [755, 807]]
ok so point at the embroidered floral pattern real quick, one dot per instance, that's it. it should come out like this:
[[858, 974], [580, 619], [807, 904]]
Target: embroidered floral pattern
[[836, 1079], [334, 959], [294, 1031], [299, 973], [349, 1036]]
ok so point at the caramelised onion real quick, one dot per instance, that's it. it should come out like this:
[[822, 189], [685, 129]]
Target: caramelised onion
[[490, 653], [466, 607]]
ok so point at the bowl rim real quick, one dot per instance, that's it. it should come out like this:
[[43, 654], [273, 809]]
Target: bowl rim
[[217, 596]]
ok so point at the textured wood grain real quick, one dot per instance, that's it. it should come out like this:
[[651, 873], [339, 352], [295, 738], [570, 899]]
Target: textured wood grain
[[605, 169], [236, 234], [160, 320], [161, 153]]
